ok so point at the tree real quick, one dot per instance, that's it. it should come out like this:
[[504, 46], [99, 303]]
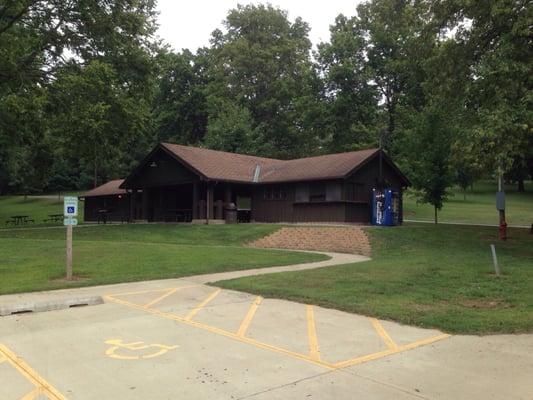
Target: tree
[[262, 64], [95, 120], [49, 51], [398, 37], [229, 128], [351, 100], [494, 42], [430, 172], [179, 104]]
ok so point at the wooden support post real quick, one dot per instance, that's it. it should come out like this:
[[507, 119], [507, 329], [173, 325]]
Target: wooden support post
[[209, 203], [195, 196], [227, 199], [69, 252]]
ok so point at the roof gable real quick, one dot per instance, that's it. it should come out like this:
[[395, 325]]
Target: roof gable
[[107, 189], [240, 168]]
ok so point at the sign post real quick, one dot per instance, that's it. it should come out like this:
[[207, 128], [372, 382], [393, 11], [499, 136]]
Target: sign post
[[70, 211]]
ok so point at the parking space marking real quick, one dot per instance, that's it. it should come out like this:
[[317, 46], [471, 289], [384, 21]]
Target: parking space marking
[[249, 316], [32, 395], [25, 370], [314, 351], [169, 293], [205, 302], [140, 292], [313, 357], [383, 334], [221, 332], [385, 353]]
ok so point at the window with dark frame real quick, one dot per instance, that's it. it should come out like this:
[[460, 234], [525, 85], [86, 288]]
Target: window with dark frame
[[317, 191], [274, 193]]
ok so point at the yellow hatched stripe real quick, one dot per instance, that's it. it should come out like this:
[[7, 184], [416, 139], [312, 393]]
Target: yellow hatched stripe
[[383, 334], [33, 394], [314, 351], [30, 374], [249, 316], [205, 302]]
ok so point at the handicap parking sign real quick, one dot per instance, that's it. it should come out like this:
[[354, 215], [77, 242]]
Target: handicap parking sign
[[70, 206]]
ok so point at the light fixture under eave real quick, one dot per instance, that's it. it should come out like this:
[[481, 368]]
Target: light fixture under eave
[[153, 164]]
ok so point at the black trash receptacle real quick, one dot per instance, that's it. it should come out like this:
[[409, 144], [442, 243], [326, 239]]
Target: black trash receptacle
[[231, 213]]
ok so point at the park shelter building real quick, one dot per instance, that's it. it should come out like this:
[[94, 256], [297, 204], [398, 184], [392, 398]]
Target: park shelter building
[[176, 183]]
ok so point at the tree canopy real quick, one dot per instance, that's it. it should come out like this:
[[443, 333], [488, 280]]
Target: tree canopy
[[87, 88]]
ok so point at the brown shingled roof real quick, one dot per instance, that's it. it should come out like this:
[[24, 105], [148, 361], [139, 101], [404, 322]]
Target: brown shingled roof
[[224, 166], [232, 167], [107, 189], [219, 165]]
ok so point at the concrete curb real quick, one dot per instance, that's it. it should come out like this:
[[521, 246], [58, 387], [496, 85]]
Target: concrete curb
[[49, 305]]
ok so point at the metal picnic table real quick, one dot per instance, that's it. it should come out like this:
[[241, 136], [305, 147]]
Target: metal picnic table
[[54, 218], [19, 219]]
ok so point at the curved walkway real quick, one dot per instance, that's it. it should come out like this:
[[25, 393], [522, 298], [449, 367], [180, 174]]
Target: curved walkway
[[64, 298], [335, 259]]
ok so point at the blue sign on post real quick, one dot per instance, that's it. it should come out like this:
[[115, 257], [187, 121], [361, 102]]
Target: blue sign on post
[[70, 206]]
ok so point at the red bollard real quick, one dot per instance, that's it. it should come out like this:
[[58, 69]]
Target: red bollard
[[503, 231]]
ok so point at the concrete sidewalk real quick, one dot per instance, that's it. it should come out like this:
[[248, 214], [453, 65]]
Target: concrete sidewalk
[[63, 298]]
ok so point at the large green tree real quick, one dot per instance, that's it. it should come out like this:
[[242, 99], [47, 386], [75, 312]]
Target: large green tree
[[398, 36], [48, 50], [262, 65], [492, 43], [179, 104], [351, 100]]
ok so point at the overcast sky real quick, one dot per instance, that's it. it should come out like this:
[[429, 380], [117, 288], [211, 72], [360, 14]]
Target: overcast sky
[[188, 24]]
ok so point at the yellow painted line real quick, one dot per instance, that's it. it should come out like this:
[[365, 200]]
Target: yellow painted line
[[164, 296], [381, 354], [314, 351], [223, 332], [383, 333], [30, 374], [205, 302], [33, 394], [249, 316], [266, 346], [2, 358], [138, 292]]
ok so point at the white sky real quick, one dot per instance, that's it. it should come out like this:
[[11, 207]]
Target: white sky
[[188, 24]]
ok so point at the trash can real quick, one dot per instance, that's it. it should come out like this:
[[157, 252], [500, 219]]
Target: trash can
[[231, 213]]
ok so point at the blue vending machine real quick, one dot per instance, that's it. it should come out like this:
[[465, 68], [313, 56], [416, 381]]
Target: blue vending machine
[[385, 207]]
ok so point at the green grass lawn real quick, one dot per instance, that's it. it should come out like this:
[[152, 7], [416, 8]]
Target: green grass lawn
[[477, 206], [34, 259], [430, 276], [36, 207]]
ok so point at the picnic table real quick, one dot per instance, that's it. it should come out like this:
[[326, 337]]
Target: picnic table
[[19, 219], [54, 218], [102, 216]]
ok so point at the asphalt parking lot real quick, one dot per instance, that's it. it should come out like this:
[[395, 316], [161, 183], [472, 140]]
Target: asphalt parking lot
[[180, 339]]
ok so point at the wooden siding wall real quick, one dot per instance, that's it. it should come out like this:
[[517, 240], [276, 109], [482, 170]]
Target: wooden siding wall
[[320, 212], [165, 171], [337, 207], [273, 210], [368, 177]]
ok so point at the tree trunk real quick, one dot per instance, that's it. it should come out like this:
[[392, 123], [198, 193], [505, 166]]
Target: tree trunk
[[521, 187], [436, 218]]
